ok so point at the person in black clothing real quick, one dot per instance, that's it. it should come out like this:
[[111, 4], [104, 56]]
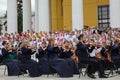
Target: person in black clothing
[[106, 59], [25, 53], [84, 58], [101, 54], [48, 59], [13, 66], [68, 54], [0, 55], [115, 53], [43, 58], [65, 51]]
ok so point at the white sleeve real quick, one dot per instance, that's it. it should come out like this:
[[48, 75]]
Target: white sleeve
[[93, 53]]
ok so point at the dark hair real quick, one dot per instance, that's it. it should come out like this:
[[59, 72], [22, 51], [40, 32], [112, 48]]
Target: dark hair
[[4, 42], [80, 36], [44, 42], [19, 44]]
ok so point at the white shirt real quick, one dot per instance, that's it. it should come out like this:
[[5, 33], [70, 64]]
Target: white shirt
[[95, 51]]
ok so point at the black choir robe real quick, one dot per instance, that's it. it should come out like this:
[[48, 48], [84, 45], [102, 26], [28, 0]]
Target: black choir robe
[[49, 60], [84, 58], [66, 55], [28, 63], [13, 66]]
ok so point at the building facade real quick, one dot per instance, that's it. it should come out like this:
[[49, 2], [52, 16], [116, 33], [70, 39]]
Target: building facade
[[54, 15]]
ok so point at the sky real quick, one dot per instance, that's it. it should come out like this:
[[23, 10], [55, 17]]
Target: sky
[[3, 6]]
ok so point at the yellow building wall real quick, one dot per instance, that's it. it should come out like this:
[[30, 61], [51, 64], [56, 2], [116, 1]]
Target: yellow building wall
[[61, 15], [90, 11], [67, 14], [56, 15]]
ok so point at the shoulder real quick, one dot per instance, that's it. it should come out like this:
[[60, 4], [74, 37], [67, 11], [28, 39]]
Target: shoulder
[[3, 49], [49, 47], [23, 47]]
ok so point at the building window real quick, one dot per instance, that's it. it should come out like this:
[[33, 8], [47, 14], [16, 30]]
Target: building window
[[103, 16]]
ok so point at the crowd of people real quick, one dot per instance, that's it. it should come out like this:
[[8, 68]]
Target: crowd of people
[[61, 52]]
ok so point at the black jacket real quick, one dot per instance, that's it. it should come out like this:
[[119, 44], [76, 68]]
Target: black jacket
[[82, 51]]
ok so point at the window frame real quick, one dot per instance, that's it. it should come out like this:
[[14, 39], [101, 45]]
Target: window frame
[[101, 19]]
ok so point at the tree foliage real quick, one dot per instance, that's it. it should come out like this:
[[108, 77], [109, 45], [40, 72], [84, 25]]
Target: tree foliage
[[20, 15], [0, 28]]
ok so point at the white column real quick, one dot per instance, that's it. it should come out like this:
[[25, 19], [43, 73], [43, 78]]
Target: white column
[[77, 14], [115, 13], [44, 15], [11, 16], [27, 15], [36, 16]]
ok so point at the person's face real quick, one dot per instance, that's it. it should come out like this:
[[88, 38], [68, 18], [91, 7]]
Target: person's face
[[6, 44], [43, 45], [70, 34], [26, 44], [55, 44], [67, 45], [83, 38], [73, 49], [104, 44]]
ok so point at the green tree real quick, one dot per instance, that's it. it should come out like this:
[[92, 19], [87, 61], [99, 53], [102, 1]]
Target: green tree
[[5, 23], [20, 15], [0, 26], [0, 29], [5, 16]]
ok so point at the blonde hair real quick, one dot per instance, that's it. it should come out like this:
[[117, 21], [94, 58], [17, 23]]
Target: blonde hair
[[51, 41], [116, 42]]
